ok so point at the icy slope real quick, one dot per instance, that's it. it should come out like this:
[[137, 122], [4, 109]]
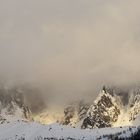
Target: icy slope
[[35, 131]]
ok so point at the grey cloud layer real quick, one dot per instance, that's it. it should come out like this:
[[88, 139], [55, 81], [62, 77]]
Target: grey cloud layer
[[70, 46]]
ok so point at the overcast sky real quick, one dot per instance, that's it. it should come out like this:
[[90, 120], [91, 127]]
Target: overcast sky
[[70, 46]]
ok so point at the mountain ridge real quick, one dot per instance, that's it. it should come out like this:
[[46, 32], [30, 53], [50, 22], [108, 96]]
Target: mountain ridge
[[107, 110]]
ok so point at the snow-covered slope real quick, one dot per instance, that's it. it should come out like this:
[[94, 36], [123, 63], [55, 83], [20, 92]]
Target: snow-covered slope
[[15, 113], [12, 107], [35, 131]]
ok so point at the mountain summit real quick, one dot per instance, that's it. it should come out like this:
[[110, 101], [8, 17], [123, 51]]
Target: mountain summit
[[12, 106]]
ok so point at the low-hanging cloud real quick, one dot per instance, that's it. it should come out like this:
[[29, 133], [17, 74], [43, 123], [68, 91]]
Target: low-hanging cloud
[[70, 47]]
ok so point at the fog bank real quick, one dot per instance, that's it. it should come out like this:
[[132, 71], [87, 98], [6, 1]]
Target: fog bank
[[70, 48]]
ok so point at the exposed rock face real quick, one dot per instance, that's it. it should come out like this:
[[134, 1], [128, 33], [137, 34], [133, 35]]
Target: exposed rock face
[[69, 113], [75, 113], [82, 110], [134, 104], [103, 112]]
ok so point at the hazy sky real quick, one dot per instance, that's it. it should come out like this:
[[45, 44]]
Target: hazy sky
[[70, 46]]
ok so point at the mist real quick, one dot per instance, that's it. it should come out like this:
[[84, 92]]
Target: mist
[[70, 48]]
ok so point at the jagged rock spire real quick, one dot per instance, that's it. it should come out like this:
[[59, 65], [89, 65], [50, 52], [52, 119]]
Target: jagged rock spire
[[104, 89]]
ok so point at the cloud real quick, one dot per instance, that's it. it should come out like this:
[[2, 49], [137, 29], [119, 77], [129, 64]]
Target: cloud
[[70, 47]]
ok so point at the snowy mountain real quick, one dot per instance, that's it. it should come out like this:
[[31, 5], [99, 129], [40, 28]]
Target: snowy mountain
[[34, 131], [12, 106], [104, 112], [107, 110], [106, 116]]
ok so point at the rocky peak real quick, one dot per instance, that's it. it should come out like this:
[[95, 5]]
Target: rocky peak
[[104, 111]]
